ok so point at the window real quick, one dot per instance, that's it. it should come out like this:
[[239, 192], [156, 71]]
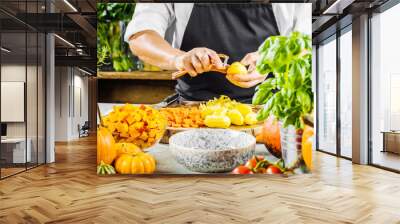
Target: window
[[327, 96], [385, 89], [346, 93], [22, 76]]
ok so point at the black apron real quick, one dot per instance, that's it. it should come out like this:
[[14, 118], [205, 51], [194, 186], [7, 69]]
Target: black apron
[[231, 29]]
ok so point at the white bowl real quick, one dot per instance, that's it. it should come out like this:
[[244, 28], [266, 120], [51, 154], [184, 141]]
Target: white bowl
[[212, 150]]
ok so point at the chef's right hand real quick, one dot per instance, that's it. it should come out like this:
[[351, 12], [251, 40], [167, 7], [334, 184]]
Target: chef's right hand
[[197, 61]]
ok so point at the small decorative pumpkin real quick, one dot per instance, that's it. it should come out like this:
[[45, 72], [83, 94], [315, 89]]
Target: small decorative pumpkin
[[105, 146], [272, 136], [140, 163], [125, 147]]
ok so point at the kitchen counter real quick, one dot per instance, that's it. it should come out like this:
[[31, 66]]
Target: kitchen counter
[[166, 163]]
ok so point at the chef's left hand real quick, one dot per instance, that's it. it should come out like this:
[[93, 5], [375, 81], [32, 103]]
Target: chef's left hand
[[253, 77]]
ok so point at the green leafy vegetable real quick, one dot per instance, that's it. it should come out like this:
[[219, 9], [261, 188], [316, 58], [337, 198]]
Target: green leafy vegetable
[[289, 59], [110, 47]]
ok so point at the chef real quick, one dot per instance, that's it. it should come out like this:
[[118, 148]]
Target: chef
[[188, 36]]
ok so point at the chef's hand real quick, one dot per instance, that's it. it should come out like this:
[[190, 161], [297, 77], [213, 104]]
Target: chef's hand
[[253, 77], [197, 61]]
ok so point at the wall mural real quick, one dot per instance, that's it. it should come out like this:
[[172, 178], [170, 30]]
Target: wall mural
[[242, 99]]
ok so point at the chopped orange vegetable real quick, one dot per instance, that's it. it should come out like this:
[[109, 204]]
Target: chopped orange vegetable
[[140, 125], [187, 117]]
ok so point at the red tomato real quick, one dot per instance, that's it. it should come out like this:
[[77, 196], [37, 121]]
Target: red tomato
[[242, 170], [273, 170]]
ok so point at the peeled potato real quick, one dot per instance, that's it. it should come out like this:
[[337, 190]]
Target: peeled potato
[[251, 118], [206, 111], [217, 121], [244, 109], [236, 117], [237, 68]]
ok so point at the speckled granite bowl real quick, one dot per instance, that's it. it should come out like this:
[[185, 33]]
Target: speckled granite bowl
[[212, 150]]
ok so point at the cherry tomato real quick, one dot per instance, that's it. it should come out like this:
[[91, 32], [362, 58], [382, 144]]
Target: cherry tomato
[[242, 170], [273, 170]]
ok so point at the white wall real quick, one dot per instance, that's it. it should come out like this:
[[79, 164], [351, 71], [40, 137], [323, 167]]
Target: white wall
[[16, 73], [80, 110], [71, 94], [62, 81]]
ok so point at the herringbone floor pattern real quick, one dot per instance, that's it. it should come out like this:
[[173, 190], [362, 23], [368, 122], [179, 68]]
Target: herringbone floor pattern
[[69, 191]]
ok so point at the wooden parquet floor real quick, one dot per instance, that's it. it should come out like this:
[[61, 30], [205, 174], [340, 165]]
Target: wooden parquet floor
[[69, 191]]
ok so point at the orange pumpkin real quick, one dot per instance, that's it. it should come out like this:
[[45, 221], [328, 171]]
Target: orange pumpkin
[[125, 147], [105, 146], [272, 136], [140, 163]]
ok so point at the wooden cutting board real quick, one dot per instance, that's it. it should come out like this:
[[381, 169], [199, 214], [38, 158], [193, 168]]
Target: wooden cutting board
[[254, 129]]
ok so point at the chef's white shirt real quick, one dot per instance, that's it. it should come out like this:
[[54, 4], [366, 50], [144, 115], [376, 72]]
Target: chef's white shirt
[[170, 19]]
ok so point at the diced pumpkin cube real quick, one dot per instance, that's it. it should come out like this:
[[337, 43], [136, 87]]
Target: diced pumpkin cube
[[130, 120], [144, 136]]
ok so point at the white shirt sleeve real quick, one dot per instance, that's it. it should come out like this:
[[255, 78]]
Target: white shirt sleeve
[[293, 17], [150, 16], [303, 18]]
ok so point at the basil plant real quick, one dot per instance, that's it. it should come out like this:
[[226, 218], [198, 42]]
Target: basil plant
[[288, 94]]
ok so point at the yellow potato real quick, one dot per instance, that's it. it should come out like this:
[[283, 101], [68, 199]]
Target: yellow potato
[[244, 109], [217, 121], [236, 68], [205, 111], [251, 118], [236, 117]]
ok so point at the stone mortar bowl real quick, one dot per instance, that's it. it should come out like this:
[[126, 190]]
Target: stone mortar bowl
[[212, 150]]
